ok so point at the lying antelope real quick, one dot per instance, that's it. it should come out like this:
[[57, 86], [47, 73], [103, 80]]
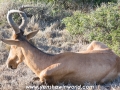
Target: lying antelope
[[91, 66]]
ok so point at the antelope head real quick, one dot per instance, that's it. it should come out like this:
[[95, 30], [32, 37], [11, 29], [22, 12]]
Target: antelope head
[[15, 56]]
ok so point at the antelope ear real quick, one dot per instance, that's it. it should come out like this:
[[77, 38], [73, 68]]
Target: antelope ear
[[31, 34], [11, 42]]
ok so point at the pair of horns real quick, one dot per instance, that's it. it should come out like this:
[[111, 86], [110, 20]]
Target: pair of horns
[[13, 24]]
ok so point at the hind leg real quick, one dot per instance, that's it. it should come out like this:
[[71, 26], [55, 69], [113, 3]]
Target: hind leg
[[110, 76], [96, 45]]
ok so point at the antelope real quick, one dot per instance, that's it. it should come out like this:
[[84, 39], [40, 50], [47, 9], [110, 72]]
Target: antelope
[[92, 66]]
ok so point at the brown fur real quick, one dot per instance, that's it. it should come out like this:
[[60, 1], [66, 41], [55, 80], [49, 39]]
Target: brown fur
[[96, 45], [93, 65]]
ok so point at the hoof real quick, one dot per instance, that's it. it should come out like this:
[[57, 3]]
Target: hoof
[[36, 79]]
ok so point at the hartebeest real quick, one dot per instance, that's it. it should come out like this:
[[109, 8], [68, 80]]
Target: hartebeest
[[91, 66]]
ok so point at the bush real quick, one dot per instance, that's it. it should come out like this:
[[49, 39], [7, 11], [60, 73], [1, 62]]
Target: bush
[[70, 4], [103, 24]]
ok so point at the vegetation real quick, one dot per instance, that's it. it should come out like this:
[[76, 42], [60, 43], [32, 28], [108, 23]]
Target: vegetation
[[103, 25], [70, 4], [84, 18]]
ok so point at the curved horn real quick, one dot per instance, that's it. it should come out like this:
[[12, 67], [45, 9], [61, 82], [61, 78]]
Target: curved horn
[[24, 21], [24, 17], [12, 23]]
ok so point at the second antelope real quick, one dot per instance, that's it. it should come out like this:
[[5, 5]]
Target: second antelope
[[77, 68]]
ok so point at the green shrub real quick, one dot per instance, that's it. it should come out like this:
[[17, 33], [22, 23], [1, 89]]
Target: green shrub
[[103, 24], [70, 4]]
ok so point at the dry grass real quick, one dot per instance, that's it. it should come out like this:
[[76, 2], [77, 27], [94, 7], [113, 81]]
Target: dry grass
[[50, 39]]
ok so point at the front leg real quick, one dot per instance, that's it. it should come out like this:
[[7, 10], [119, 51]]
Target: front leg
[[36, 79], [52, 74]]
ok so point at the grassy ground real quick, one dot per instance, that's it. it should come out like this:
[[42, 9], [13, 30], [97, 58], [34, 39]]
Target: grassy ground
[[51, 38]]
